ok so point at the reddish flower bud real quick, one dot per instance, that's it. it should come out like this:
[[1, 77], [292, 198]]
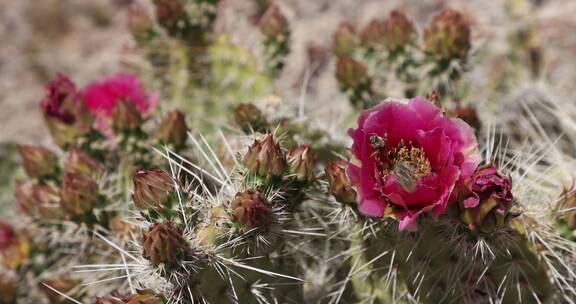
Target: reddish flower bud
[[373, 34], [251, 210], [8, 290], [144, 297], [125, 116], [448, 36], [81, 163], [38, 162], [399, 31], [164, 243], [172, 130], [62, 285], [487, 198], [7, 236], [273, 23], [151, 188], [469, 115], [350, 73], [340, 186], [265, 158], [39, 201], [302, 164], [345, 39], [169, 13], [250, 118], [78, 194]]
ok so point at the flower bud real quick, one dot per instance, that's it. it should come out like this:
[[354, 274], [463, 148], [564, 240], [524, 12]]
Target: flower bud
[[251, 210], [350, 73], [151, 188], [169, 13], [81, 163], [345, 39], [448, 36], [78, 194], [399, 31], [273, 23], [144, 297], [340, 186], [125, 116], [62, 285], [487, 199], [163, 243], [39, 201], [172, 130], [265, 158], [373, 34], [250, 118], [302, 164], [38, 162], [8, 290]]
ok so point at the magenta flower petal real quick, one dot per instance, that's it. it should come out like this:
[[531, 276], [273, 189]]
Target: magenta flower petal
[[409, 157]]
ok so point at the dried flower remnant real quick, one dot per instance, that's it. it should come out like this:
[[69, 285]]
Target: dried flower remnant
[[408, 159]]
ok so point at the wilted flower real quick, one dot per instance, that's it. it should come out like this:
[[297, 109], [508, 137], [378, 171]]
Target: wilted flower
[[340, 186], [373, 34], [81, 163], [38, 161], [350, 73], [302, 164], [345, 39], [273, 23], [7, 236], [250, 118], [163, 243], [252, 210], [78, 194], [151, 188], [409, 158], [66, 115], [38, 200], [101, 97], [399, 31], [448, 36], [62, 285], [14, 246], [487, 198], [265, 158], [172, 130]]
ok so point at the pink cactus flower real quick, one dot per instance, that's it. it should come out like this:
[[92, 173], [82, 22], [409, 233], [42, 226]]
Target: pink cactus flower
[[408, 159], [102, 96], [486, 183]]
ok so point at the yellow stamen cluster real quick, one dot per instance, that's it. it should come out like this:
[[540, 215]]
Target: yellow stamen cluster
[[415, 158]]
